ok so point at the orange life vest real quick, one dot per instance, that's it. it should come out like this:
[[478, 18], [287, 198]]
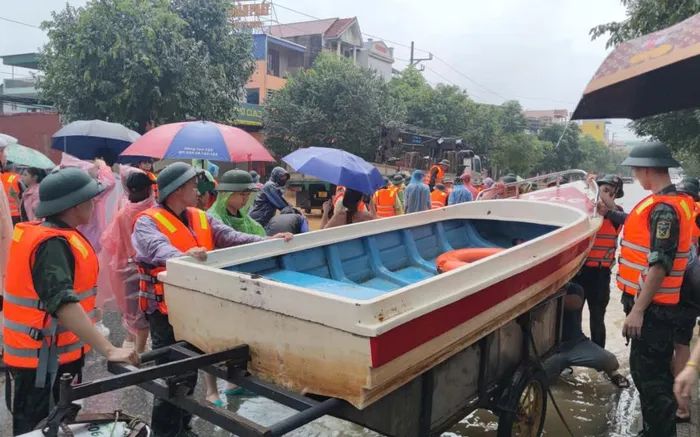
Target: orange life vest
[[33, 338], [635, 244], [438, 178], [696, 228], [385, 200], [10, 182], [438, 199], [602, 253], [182, 237]]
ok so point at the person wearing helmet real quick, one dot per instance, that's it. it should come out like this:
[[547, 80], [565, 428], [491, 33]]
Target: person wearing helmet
[[594, 276], [49, 297], [172, 229], [655, 246], [386, 201], [436, 175], [271, 198], [256, 179], [206, 190]]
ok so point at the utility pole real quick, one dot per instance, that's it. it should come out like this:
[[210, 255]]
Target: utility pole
[[415, 61]]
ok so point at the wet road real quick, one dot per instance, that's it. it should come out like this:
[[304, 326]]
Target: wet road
[[590, 404]]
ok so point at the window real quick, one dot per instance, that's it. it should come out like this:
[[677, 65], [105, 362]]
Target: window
[[253, 96], [273, 62], [270, 93]]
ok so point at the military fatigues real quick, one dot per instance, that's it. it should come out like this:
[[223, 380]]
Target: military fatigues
[[651, 353], [53, 273]]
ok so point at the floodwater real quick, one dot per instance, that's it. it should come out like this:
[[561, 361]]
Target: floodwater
[[590, 404]]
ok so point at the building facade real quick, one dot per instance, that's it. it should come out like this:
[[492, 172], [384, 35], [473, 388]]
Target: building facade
[[377, 56], [595, 129], [341, 36], [538, 119]]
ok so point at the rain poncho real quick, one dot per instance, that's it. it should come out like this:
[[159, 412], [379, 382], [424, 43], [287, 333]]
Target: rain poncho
[[460, 194], [117, 251], [417, 194], [105, 205], [242, 223], [270, 199], [30, 200]]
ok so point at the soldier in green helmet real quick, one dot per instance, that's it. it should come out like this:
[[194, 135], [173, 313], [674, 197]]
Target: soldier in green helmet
[[655, 247], [50, 297]]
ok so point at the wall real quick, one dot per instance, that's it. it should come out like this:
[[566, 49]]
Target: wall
[[33, 130], [595, 129]]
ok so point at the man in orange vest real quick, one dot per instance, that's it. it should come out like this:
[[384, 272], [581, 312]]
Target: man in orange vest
[[594, 276], [386, 201], [172, 229], [438, 197], [12, 184], [654, 252], [437, 174], [49, 297]]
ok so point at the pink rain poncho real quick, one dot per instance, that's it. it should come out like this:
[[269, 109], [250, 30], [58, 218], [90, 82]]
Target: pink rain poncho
[[30, 200], [116, 255], [104, 203]]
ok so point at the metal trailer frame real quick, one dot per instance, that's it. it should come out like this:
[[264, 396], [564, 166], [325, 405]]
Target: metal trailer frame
[[407, 411]]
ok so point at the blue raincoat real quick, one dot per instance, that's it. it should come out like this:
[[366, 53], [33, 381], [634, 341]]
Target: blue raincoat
[[417, 194]]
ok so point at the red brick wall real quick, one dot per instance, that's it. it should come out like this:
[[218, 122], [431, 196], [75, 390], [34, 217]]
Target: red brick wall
[[33, 129]]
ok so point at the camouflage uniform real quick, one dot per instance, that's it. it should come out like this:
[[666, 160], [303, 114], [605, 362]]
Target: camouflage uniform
[[651, 354]]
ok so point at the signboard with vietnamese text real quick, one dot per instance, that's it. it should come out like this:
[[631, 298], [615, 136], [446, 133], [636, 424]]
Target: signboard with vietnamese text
[[250, 14], [249, 115]]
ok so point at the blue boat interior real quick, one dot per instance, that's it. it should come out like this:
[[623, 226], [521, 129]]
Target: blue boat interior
[[366, 267]]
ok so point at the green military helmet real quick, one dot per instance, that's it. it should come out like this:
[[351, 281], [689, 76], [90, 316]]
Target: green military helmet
[[206, 183], [64, 189], [689, 186], [654, 154], [614, 181], [397, 179], [237, 181], [445, 162], [173, 177], [509, 178]]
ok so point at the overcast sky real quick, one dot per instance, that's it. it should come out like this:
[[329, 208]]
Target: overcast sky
[[536, 51]]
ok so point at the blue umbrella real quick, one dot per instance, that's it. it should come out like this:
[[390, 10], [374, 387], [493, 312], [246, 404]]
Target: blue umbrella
[[336, 166], [89, 139]]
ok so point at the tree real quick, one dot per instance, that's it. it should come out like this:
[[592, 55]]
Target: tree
[[567, 154], [681, 129], [599, 158], [138, 62], [518, 153], [334, 103]]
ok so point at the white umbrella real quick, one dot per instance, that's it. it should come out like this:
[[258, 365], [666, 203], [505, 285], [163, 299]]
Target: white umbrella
[[6, 140]]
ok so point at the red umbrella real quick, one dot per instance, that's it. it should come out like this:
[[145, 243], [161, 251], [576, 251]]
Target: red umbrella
[[199, 140]]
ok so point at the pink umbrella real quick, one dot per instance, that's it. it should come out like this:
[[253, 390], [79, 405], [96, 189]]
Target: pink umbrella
[[199, 140]]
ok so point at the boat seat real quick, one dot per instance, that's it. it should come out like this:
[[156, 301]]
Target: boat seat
[[326, 285]]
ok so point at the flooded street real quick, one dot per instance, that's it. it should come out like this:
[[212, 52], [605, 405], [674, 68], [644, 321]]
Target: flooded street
[[591, 405]]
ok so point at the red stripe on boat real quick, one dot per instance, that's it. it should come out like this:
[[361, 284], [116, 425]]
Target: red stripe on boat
[[412, 334]]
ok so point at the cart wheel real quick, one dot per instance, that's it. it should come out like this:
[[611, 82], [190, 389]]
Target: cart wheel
[[525, 404]]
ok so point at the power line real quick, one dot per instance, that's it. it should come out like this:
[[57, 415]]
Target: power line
[[19, 22]]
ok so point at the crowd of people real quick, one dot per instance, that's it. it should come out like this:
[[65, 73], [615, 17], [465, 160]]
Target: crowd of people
[[74, 240]]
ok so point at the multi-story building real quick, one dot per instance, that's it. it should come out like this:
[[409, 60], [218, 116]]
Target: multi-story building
[[18, 92], [377, 56], [537, 119], [337, 35]]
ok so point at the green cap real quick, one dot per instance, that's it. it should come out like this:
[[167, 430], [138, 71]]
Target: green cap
[[64, 189], [397, 179], [445, 162], [173, 177], [651, 155], [614, 181], [237, 181]]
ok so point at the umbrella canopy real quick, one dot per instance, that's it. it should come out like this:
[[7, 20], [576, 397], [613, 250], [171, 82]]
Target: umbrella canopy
[[24, 156], [89, 139], [653, 74], [199, 140], [336, 166], [6, 139]]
